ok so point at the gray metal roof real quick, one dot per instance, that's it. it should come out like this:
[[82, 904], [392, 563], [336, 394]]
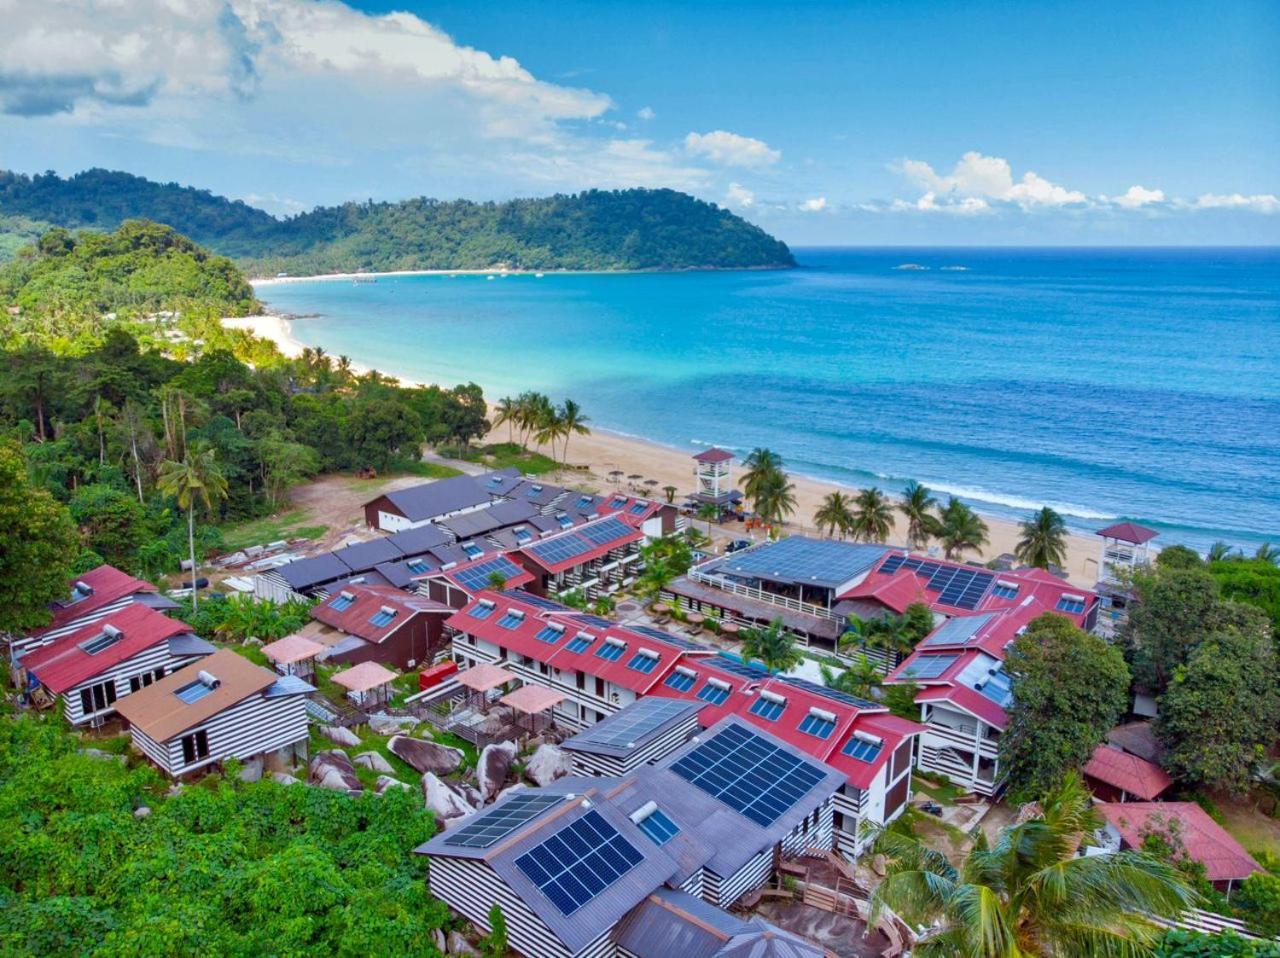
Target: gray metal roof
[[675, 924], [539, 493], [413, 542], [287, 685], [497, 516], [764, 940], [306, 573], [362, 556], [432, 499], [633, 727], [801, 560], [396, 573], [188, 643]]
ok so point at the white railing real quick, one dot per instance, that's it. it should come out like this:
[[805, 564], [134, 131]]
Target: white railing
[[786, 602]]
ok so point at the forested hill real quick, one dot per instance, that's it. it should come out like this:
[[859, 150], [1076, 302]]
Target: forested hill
[[597, 229]]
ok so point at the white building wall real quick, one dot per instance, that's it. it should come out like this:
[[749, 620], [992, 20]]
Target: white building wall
[[144, 663]]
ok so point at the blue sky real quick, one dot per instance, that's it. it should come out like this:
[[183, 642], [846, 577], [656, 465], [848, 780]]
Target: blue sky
[[852, 123]]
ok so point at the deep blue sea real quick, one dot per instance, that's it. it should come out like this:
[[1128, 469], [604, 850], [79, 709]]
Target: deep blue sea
[[1142, 383]]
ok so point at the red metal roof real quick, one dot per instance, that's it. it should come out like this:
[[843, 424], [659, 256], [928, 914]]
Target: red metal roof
[[108, 584], [1129, 773], [369, 599], [895, 591], [1128, 532], [1206, 841], [63, 664], [967, 699], [714, 454]]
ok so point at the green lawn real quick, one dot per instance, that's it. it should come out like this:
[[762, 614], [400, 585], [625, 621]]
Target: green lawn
[[506, 455], [287, 525], [945, 792], [1255, 830], [427, 470]]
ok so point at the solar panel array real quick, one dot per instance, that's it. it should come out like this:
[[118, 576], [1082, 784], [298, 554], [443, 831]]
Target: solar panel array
[[634, 723], [560, 549], [749, 774], [738, 667], [827, 693], [605, 531], [537, 601], [958, 631], [579, 862], [928, 666], [595, 621], [667, 637], [497, 824], [796, 559], [856, 748], [476, 577], [957, 586]]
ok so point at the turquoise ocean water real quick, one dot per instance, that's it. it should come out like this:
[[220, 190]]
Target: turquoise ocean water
[[1136, 383]]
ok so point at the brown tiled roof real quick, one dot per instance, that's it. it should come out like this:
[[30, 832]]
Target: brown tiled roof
[[157, 710], [1129, 773], [363, 677]]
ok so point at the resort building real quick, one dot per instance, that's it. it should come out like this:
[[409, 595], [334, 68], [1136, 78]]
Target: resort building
[[670, 923], [1127, 825], [1113, 775], [601, 667], [95, 666], [599, 557], [1125, 548], [362, 623], [433, 501], [222, 707], [641, 734], [569, 863], [90, 597]]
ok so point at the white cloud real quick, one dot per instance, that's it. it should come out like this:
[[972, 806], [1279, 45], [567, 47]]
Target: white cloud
[[730, 149], [645, 113], [739, 196], [989, 178], [1136, 197], [1258, 203], [928, 203], [815, 205]]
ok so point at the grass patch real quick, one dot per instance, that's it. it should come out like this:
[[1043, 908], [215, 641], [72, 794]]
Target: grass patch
[[424, 469], [943, 792], [287, 525], [251, 652], [504, 455], [1253, 829]]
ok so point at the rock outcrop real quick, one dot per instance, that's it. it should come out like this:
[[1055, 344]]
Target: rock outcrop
[[548, 764], [445, 800], [493, 767], [374, 762], [333, 769], [426, 756], [340, 736]]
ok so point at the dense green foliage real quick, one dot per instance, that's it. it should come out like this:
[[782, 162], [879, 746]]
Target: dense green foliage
[[1252, 581], [223, 868], [1069, 688], [37, 546], [598, 229], [140, 269], [1190, 944]]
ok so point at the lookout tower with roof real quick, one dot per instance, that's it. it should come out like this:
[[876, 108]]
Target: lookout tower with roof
[[1125, 547], [714, 485]]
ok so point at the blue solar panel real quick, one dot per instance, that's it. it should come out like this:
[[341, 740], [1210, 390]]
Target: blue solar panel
[[823, 562], [528, 598], [680, 682], [381, 618], [511, 620], [767, 709], [579, 643], [998, 687], [550, 633], [856, 748], [958, 586], [610, 652], [341, 601], [579, 862], [605, 531], [476, 577], [749, 774], [642, 663], [817, 726], [1070, 605], [713, 694], [928, 666], [560, 549], [595, 621], [658, 827], [738, 667], [638, 508], [676, 640], [1005, 590], [961, 630], [828, 693]]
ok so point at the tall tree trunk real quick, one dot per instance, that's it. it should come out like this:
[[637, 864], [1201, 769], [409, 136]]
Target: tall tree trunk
[[191, 542]]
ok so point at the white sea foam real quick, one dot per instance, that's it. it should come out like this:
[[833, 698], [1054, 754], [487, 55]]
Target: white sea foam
[[1016, 502]]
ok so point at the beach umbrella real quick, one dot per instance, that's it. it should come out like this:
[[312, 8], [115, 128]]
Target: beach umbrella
[[634, 476], [615, 475], [651, 483]]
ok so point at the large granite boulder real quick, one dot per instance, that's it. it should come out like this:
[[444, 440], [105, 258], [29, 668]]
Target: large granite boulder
[[332, 769], [493, 767], [445, 800], [374, 762], [385, 783], [426, 756], [284, 778], [460, 946], [340, 736], [548, 763], [251, 770]]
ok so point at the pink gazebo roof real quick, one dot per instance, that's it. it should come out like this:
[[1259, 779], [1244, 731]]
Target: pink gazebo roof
[[292, 648], [714, 454], [483, 677], [1129, 532], [532, 699], [363, 677]]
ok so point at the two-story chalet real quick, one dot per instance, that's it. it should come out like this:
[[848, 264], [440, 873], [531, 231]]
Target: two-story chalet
[[568, 863], [364, 623], [96, 665], [222, 707]]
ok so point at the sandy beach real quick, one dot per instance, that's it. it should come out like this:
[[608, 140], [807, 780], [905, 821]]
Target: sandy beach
[[603, 452]]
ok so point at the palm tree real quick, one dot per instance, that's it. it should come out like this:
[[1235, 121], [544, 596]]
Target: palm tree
[[776, 497], [1218, 552], [862, 678], [572, 421], [550, 427], [708, 513], [506, 410], [1044, 540], [834, 515], [1268, 553], [1027, 894], [773, 646], [760, 466], [195, 479], [918, 505], [873, 517], [960, 529]]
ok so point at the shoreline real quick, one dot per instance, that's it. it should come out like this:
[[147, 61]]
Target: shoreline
[[502, 272], [605, 451]]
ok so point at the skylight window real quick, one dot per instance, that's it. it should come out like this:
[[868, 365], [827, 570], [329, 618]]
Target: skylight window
[[681, 679], [580, 642], [342, 601], [1071, 604], [512, 619], [818, 723], [863, 747], [482, 609], [1005, 590], [768, 706], [382, 617], [550, 633], [612, 650], [715, 692]]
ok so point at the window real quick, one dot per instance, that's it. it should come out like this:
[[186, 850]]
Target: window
[[768, 708], [550, 633], [342, 601], [1071, 604], [472, 550], [658, 827], [680, 681], [580, 642], [862, 749], [382, 617], [193, 691], [195, 747], [97, 697], [512, 619], [481, 610], [145, 679], [819, 726], [1005, 590], [643, 661], [611, 651], [715, 694]]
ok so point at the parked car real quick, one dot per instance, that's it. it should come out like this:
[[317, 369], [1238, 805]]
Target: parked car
[[737, 545]]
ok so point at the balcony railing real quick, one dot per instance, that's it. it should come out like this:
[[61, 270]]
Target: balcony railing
[[785, 602]]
